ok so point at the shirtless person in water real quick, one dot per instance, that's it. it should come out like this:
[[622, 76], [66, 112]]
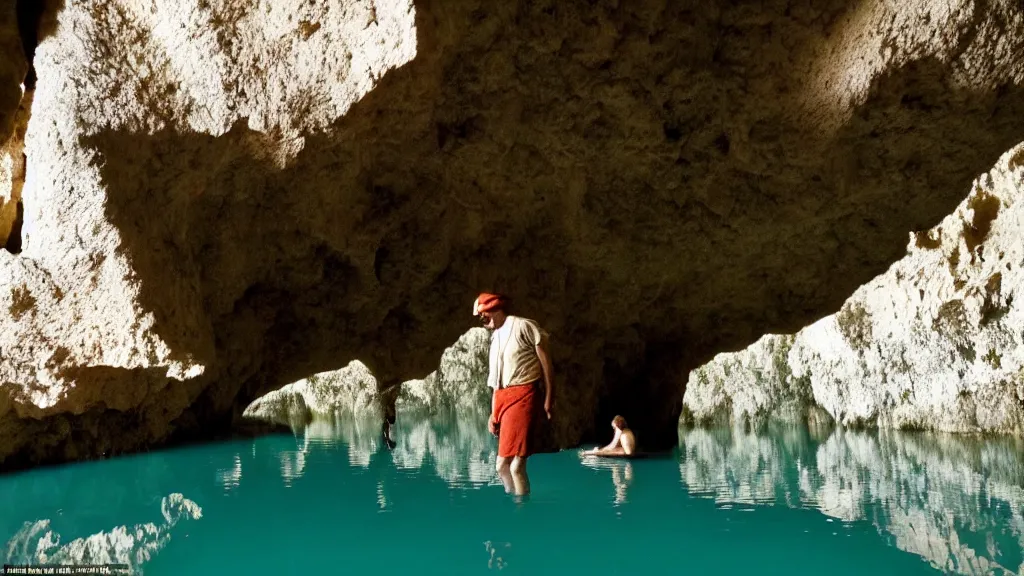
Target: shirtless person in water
[[623, 444]]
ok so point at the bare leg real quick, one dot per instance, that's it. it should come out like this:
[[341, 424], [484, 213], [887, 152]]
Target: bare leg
[[522, 481], [617, 451], [504, 473]]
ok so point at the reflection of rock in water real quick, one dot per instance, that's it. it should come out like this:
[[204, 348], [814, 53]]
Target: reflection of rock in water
[[461, 449], [36, 543], [230, 478], [938, 496], [360, 433]]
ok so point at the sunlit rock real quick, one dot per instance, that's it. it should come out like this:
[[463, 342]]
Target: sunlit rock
[[751, 387], [460, 382], [935, 342], [351, 390]]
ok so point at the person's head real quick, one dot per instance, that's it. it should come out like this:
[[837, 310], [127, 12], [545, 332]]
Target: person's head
[[619, 423], [491, 309]]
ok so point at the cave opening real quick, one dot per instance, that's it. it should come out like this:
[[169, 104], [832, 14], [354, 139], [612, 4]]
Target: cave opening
[[13, 244], [30, 17]]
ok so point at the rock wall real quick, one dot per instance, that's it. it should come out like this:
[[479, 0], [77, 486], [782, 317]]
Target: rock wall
[[936, 342], [222, 198]]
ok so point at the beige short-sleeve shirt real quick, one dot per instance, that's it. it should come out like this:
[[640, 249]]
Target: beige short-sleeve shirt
[[513, 355]]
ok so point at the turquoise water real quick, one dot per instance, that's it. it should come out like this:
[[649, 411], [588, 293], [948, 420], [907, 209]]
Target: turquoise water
[[333, 499]]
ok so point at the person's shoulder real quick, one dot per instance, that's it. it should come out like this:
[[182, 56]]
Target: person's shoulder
[[529, 325], [526, 321]]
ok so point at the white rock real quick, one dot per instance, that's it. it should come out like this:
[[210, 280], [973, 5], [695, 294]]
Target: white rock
[[460, 382], [935, 342]]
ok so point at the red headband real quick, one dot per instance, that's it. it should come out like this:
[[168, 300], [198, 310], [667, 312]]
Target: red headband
[[488, 302]]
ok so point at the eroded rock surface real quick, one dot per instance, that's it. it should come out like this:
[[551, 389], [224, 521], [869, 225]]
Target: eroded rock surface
[[459, 385], [351, 390], [222, 197], [936, 342]]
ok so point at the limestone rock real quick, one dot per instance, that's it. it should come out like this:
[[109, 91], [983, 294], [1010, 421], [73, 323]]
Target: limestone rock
[[459, 384], [351, 390], [936, 342], [286, 406], [749, 387], [222, 197]]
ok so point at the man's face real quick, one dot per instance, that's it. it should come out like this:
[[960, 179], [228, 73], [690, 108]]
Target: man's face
[[487, 319]]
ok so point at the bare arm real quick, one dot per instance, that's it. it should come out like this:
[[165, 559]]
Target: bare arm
[[615, 441], [492, 421], [611, 448], [545, 364]]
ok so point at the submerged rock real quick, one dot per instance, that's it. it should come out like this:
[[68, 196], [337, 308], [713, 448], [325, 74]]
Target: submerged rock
[[937, 342]]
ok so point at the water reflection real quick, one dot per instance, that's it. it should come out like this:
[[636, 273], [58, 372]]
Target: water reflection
[[953, 501], [459, 449], [38, 543], [230, 478], [494, 551], [621, 475]]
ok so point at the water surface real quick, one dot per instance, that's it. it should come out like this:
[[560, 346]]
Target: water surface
[[333, 498]]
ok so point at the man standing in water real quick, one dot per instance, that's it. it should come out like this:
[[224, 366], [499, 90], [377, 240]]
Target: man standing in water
[[519, 362]]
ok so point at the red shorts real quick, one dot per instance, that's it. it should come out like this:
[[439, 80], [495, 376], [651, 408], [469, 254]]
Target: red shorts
[[514, 410]]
